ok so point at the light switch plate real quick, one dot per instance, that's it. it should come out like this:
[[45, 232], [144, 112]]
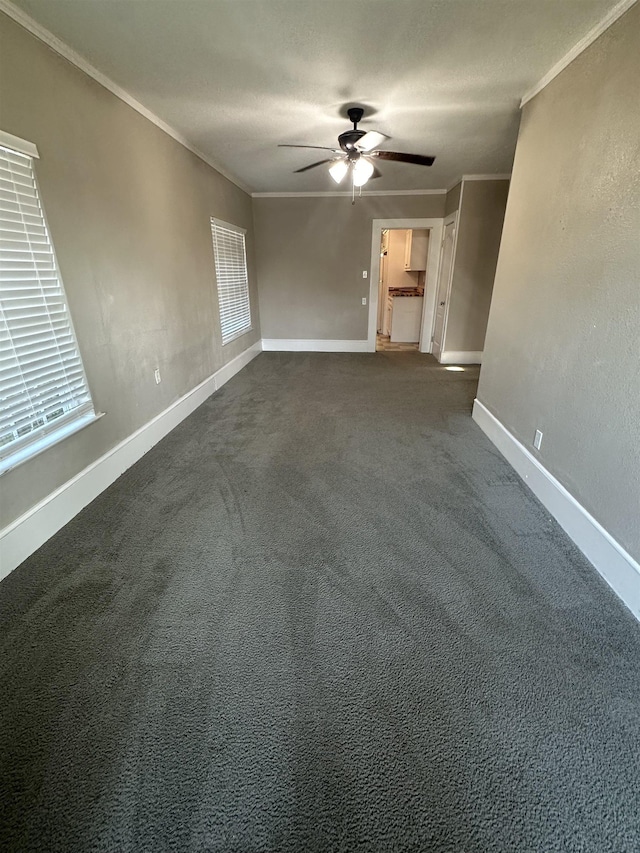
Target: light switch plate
[[365, 273]]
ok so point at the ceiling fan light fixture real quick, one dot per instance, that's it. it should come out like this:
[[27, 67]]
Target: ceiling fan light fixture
[[362, 171], [338, 170]]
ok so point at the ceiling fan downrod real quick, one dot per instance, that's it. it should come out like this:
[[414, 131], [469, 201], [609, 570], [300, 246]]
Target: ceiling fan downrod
[[347, 140]]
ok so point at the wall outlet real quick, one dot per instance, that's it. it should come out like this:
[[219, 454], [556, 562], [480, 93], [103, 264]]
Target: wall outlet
[[365, 274], [364, 300], [537, 439], [156, 374]]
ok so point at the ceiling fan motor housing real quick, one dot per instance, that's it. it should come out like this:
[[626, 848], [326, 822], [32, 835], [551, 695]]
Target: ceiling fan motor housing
[[348, 139]]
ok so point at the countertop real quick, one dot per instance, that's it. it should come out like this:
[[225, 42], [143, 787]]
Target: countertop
[[406, 291]]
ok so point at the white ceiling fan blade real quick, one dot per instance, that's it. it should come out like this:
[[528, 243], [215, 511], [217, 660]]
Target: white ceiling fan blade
[[371, 140]]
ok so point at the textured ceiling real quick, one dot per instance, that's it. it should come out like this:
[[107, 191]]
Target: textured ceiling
[[237, 77]]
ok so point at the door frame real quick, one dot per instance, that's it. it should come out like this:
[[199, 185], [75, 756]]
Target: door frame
[[435, 226], [451, 219]]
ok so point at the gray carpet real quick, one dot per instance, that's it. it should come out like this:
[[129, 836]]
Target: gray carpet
[[322, 615]]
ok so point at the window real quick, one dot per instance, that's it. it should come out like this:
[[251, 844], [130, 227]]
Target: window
[[43, 389], [233, 283]]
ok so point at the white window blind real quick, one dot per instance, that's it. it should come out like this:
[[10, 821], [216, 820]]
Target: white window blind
[[43, 388], [233, 283]]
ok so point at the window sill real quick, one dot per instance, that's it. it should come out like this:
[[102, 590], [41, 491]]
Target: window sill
[[24, 454]]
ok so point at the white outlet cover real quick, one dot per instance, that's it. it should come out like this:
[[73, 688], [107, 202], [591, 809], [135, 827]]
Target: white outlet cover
[[364, 300], [537, 440], [364, 273]]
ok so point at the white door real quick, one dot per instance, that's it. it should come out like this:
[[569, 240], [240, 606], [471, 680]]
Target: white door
[[444, 284]]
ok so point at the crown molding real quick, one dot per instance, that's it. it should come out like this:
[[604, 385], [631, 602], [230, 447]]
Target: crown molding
[[503, 177], [402, 192], [603, 25], [346, 194], [63, 49]]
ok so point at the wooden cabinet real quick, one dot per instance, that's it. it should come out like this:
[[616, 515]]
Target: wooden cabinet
[[416, 247]]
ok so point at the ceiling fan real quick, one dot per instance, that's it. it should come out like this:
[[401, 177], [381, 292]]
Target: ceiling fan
[[358, 152]]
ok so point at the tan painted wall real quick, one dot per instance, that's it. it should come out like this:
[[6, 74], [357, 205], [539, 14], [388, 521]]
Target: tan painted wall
[[563, 344], [452, 201], [128, 208], [310, 254], [480, 220]]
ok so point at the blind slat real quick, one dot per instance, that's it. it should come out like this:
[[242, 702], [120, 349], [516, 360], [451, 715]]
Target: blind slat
[[32, 332], [55, 379], [21, 411]]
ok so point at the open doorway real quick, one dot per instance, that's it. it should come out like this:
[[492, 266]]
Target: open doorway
[[403, 268], [404, 272]]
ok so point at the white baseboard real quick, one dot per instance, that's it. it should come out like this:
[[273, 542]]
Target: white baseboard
[[616, 566], [27, 533], [294, 345], [235, 365], [460, 357]]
